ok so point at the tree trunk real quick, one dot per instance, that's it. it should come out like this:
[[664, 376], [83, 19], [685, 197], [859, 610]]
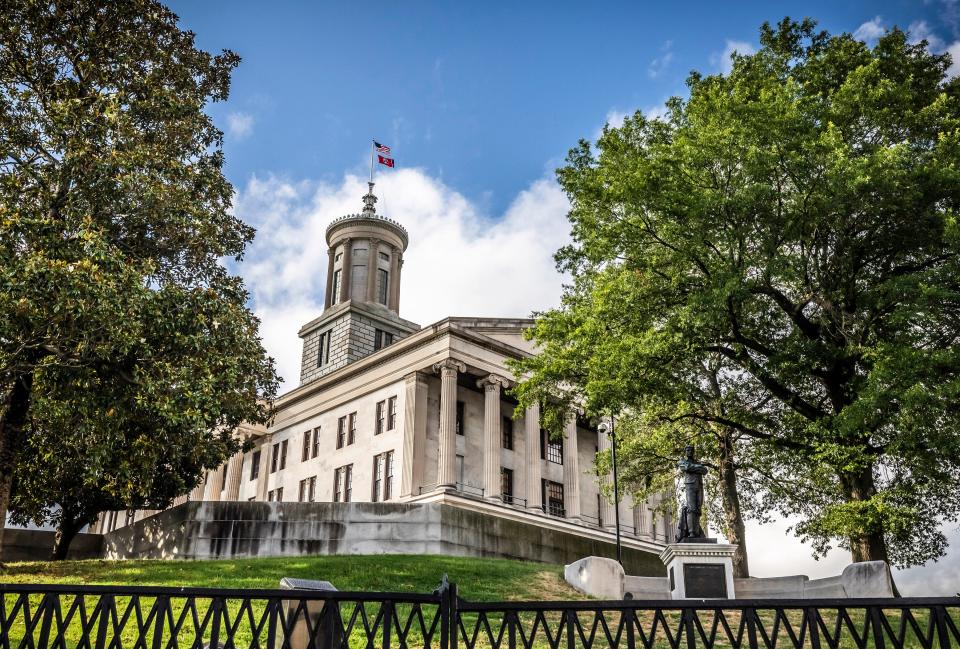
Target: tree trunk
[[12, 439], [66, 531], [869, 546], [732, 513]]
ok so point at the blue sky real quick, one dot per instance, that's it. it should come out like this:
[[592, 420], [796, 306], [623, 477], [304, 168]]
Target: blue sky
[[484, 95], [480, 102]]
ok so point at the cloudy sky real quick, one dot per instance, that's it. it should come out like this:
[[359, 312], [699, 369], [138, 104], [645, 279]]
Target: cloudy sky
[[480, 102]]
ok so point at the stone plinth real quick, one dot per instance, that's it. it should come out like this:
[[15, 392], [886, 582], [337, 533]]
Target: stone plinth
[[699, 570]]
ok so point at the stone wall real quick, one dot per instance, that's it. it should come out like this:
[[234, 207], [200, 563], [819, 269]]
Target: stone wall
[[36, 545], [209, 530]]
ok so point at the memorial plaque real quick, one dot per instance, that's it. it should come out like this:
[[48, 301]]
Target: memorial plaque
[[707, 580]]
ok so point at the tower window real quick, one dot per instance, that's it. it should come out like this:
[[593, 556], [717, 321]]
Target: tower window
[[383, 279], [337, 274], [506, 433], [460, 406], [323, 348], [381, 339], [384, 256]]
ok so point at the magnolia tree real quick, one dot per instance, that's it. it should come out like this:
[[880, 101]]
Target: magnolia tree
[[775, 261], [127, 351]]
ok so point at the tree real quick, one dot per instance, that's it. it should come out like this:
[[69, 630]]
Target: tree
[[796, 218], [115, 309]]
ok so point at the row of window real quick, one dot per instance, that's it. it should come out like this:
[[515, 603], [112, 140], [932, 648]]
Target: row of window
[[382, 488], [383, 286], [386, 415], [551, 450], [551, 493]]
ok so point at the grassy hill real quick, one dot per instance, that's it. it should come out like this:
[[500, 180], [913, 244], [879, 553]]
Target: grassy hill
[[477, 579]]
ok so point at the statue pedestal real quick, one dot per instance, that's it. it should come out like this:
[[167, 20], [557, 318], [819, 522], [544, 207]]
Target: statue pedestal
[[699, 570]]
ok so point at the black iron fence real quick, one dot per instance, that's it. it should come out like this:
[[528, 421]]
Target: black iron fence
[[41, 616]]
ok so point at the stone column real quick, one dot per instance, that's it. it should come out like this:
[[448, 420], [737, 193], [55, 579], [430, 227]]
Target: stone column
[[532, 468], [571, 471], [414, 433], [447, 452], [197, 493], [214, 484], [327, 297], [346, 269], [234, 476], [642, 517], [373, 263], [396, 261], [491, 434], [263, 476], [606, 507]]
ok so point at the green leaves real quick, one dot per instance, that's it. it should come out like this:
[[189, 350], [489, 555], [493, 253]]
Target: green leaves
[[778, 261], [114, 216]]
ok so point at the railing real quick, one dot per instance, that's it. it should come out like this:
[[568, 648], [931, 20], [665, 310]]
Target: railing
[[111, 617], [510, 499]]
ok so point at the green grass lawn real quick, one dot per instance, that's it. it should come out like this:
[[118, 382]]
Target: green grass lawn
[[477, 579]]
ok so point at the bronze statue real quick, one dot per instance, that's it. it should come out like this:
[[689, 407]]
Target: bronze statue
[[689, 526]]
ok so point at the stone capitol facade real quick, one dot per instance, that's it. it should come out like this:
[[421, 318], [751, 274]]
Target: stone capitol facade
[[399, 438]]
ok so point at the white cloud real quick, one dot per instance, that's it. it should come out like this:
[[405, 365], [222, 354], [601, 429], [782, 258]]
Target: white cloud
[[659, 64], [870, 30], [954, 51], [239, 124], [723, 61], [920, 30], [656, 112], [460, 262]]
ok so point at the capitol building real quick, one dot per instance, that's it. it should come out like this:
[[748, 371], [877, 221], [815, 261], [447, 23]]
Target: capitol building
[[399, 438]]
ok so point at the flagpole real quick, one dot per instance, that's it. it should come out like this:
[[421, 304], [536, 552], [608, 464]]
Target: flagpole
[[371, 161]]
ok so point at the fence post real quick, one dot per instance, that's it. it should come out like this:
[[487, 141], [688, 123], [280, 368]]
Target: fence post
[[877, 624], [106, 607], [751, 614], [688, 628], [387, 610], [160, 606], [568, 614], [46, 604], [939, 613], [215, 606], [631, 623], [443, 592], [454, 609], [813, 626]]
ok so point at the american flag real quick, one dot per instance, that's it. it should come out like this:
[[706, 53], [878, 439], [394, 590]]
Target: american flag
[[381, 148]]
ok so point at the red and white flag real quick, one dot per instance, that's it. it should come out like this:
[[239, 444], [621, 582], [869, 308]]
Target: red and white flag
[[385, 161]]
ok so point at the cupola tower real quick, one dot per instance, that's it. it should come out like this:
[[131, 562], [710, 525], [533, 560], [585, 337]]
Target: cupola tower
[[362, 299]]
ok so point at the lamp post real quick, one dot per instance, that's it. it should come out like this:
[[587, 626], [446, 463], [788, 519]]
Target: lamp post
[[616, 488]]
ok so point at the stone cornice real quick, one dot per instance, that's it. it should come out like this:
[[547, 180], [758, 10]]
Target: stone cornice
[[373, 219], [714, 550]]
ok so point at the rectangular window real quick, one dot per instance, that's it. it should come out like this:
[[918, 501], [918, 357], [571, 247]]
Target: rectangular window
[[280, 494], [347, 482], [388, 475], [381, 417], [341, 431], [283, 455], [383, 282], [459, 417], [270, 496], [384, 256], [554, 449], [275, 495], [552, 493], [275, 458], [312, 489], [377, 478], [338, 484], [506, 433], [315, 450], [305, 451], [338, 257], [506, 484], [391, 413], [323, 348], [352, 433], [336, 287], [302, 493], [381, 339], [255, 465]]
